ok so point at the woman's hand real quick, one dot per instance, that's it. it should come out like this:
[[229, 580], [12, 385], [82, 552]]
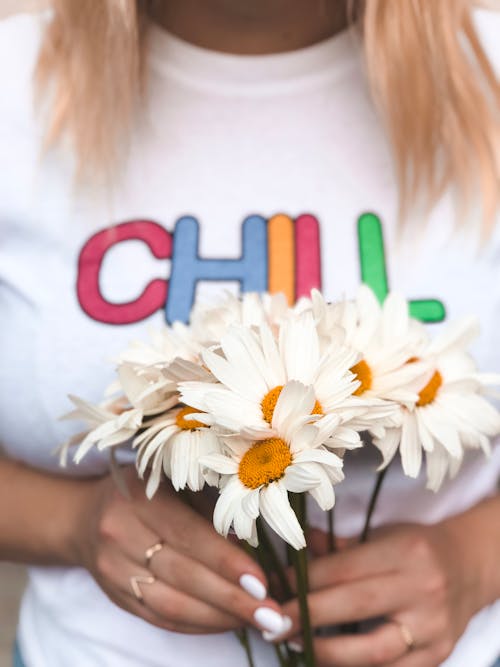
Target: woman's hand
[[428, 580], [197, 586]]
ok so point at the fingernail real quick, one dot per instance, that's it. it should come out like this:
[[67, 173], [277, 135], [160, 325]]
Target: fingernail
[[253, 586], [270, 620], [295, 647], [271, 636]]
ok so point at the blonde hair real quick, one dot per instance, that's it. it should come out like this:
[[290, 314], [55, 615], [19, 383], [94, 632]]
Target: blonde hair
[[430, 78]]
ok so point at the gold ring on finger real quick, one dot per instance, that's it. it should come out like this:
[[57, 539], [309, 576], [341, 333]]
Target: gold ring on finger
[[135, 582], [406, 634], [149, 553]]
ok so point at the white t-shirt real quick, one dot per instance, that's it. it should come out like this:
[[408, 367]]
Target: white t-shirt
[[269, 172]]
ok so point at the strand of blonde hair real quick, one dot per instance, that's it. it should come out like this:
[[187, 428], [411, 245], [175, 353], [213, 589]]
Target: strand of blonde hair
[[430, 77]]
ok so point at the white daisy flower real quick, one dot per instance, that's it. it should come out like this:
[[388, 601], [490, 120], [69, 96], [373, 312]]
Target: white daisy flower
[[147, 388], [172, 444], [256, 476], [254, 367], [385, 337], [451, 414], [154, 389], [111, 424], [148, 372], [166, 344], [209, 323]]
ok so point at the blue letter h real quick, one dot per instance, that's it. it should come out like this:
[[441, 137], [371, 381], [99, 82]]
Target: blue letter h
[[188, 267]]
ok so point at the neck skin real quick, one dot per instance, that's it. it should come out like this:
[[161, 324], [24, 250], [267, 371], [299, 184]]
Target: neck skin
[[251, 27]]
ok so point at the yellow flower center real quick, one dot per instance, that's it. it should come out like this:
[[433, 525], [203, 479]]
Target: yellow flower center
[[188, 424], [265, 462], [429, 392], [318, 409], [269, 401], [363, 373]]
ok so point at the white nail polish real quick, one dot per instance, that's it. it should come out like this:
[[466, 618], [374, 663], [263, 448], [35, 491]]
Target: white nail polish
[[253, 586], [270, 620], [271, 636]]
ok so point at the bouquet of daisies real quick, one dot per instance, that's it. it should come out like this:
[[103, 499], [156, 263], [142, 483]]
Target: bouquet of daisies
[[264, 401]]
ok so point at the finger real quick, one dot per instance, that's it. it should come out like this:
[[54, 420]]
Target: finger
[[355, 601], [173, 607], [121, 594], [182, 573], [126, 532], [180, 609], [190, 534], [358, 562], [319, 542], [379, 647], [133, 606], [197, 581], [420, 658]]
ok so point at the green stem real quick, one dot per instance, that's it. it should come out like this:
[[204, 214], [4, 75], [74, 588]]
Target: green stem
[[298, 504], [302, 588], [273, 559], [279, 655], [332, 547], [243, 637], [264, 561], [372, 505]]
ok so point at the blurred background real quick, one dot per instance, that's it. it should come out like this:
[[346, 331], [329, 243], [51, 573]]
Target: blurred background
[[12, 577], [11, 6]]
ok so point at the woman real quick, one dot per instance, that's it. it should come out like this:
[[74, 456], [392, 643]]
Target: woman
[[199, 117]]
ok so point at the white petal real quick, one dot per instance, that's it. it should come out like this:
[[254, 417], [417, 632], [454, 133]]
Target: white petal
[[456, 337], [394, 316], [250, 503], [388, 446], [155, 475], [220, 463], [180, 459], [243, 525], [276, 510], [348, 437], [272, 358], [299, 346], [319, 455], [147, 450], [445, 433], [437, 467], [299, 478], [232, 377], [323, 494], [232, 411], [244, 353], [295, 401], [325, 428], [227, 505], [410, 448], [303, 439]]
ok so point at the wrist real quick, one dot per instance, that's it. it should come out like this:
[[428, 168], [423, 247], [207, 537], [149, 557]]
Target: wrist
[[71, 536]]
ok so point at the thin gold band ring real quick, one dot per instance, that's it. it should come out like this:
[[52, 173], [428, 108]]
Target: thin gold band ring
[[136, 589], [406, 635], [149, 553]]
